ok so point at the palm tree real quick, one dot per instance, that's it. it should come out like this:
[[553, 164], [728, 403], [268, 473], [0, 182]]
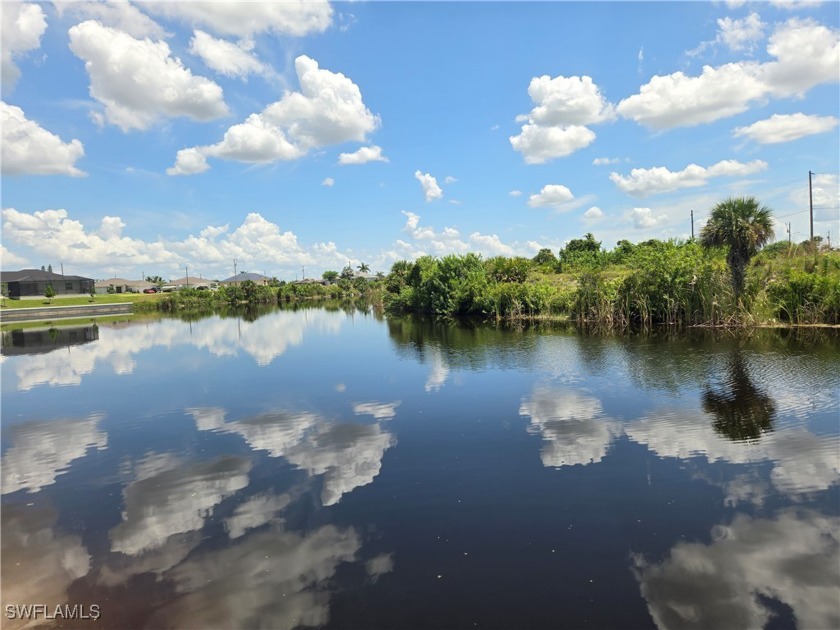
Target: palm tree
[[744, 226], [363, 268]]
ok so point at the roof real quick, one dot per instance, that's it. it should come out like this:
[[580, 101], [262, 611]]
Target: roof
[[123, 282], [36, 275], [243, 276], [189, 280]]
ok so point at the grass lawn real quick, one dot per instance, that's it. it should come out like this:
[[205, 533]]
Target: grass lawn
[[81, 300], [77, 321]]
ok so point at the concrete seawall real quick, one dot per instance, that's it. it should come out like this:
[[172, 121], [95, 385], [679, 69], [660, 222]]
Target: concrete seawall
[[63, 312]]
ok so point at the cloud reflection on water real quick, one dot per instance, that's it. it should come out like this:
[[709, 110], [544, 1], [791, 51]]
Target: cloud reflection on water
[[38, 564], [264, 339], [271, 578], [173, 497], [793, 557], [802, 461], [41, 451], [573, 426], [346, 455]]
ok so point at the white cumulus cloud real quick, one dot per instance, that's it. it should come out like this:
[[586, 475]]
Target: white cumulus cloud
[[490, 244], [806, 54], [227, 58], [539, 144], [650, 181], [120, 15], [786, 127], [643, 218], [593, 214], [551, 195], [257, 241], [329, 182], [327, 110], [741, 34], [138, 81], [555, 127], [431, 190], [567, 101], [363, 156], [29, 149], [602, 161], [188, 162], [290, 17], [22, 27]]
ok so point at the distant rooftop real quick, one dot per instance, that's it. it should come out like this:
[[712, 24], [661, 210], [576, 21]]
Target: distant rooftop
[[243, 276]]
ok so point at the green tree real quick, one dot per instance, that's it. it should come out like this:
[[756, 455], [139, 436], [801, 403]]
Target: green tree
[[742, 225], [585, 244], [156, 280], [545, 257], [363, 268], [347, 273], [49, 292], [330, 276]]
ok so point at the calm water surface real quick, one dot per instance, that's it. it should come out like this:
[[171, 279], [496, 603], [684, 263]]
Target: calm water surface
[[334, 469]]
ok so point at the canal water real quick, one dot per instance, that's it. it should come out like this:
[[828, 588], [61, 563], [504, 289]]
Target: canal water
[[333, 468]]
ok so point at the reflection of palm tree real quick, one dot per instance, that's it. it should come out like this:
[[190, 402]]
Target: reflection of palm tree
[[741, 411]]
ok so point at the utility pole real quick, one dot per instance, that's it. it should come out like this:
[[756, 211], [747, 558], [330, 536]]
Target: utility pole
[[811, 203], [62, 269], [692, 225], [302, 272], [187, 269], [788, 231], [234, 272]]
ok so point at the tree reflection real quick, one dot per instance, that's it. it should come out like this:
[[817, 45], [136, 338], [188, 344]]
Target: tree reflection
[[742, 412]]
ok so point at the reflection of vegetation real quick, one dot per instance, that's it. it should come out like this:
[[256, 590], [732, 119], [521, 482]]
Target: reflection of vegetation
[[460, 344], [741, 410]]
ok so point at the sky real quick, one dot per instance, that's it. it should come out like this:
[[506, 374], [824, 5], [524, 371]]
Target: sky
[[290, 138]]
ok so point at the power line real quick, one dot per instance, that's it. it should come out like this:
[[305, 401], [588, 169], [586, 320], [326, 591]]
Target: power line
[[791, 214]]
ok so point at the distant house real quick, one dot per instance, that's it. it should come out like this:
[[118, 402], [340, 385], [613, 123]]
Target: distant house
[[242, 276], [121, 285], [191, 282], [33, 282]]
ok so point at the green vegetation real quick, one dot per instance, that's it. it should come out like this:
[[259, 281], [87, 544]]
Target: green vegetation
[[77, 300], [77, 321], [49, 293], [655, 282], [248, 293], [743, 226]]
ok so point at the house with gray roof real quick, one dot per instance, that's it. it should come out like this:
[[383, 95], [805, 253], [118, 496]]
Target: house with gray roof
[[242, 276], [121, 285], [33, 283]]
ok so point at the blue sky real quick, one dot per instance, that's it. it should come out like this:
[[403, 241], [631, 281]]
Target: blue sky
[[143, 138]]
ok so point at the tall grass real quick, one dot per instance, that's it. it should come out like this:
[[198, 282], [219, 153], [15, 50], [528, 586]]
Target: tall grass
[[653, 283]]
